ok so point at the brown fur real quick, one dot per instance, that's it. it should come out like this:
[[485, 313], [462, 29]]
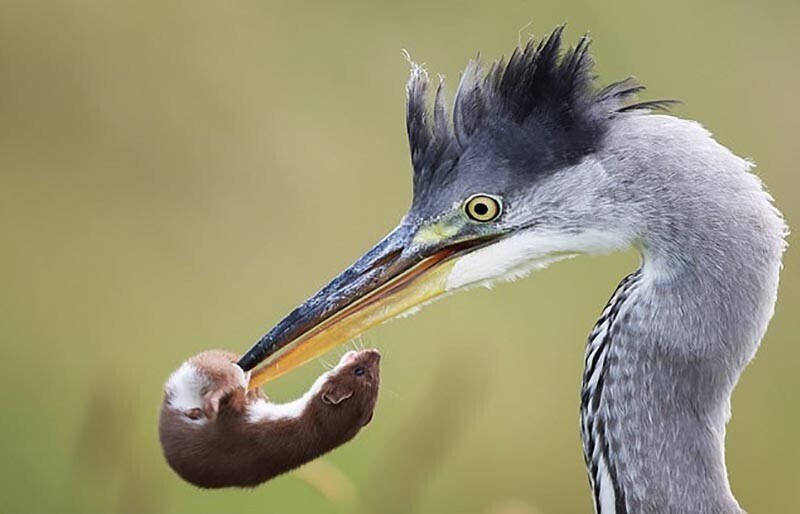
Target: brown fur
[[229, 451]]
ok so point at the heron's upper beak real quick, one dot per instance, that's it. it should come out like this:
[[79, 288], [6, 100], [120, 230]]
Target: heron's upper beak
[[404, 270]]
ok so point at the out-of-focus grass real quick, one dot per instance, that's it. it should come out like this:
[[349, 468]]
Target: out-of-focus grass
[[422, 445], [176, 176]]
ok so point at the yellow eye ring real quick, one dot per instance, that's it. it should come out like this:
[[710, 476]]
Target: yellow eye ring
[[482, 207]]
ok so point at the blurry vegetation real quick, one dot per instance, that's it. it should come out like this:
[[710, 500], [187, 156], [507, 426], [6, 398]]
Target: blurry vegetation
[[422, 444], [176, 176], [330, 482], [108, 474]]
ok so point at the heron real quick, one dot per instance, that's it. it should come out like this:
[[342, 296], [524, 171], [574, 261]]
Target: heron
[[536, 164]]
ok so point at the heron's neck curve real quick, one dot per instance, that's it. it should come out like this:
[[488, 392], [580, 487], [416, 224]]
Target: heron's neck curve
[[665, 356]]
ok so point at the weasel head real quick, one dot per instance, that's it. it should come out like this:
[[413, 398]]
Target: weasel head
[[198, 387], [352, 385]]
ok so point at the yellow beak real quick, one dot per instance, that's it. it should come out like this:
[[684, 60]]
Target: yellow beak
[[391, 279]]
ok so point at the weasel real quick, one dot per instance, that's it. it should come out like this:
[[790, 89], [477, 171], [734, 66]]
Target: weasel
[[215, 433]]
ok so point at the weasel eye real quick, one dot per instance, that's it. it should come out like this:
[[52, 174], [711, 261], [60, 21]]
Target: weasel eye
[[358, 371], [483, 208]]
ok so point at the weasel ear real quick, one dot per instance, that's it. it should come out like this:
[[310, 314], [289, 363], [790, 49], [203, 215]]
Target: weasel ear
[[336, 394], [224, 399], [211, 402]]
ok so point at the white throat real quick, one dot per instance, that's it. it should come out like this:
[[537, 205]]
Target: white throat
[[530, 250]]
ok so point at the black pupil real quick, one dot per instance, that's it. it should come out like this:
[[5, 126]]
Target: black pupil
[[481, 209], [358, 371]]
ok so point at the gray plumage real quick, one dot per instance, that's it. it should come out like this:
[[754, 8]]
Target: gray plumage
[[711, 243], [671, 348]]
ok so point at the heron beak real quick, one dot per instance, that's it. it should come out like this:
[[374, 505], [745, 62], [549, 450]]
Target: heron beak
[[395, 276]]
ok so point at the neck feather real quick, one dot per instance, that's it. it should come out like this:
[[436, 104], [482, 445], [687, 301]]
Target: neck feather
[[665, 356]]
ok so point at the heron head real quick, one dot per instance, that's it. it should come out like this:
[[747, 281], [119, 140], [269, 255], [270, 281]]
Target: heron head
[[507, 184]]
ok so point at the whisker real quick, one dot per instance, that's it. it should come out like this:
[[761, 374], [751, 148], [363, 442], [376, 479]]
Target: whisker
[[390, 391]]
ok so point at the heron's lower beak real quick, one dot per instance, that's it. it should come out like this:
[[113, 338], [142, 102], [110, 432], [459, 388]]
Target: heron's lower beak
[[386, 282]]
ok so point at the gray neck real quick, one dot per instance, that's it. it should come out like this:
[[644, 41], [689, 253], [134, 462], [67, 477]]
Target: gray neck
[[664, 358]]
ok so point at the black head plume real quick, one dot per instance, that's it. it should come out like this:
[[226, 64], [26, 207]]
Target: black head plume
[[540, 105], [430, 136]]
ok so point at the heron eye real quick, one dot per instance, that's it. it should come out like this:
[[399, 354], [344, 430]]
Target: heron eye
[[483, 207], [358, 371]]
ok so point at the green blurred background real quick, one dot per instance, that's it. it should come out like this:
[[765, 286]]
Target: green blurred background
[[176, 176]]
